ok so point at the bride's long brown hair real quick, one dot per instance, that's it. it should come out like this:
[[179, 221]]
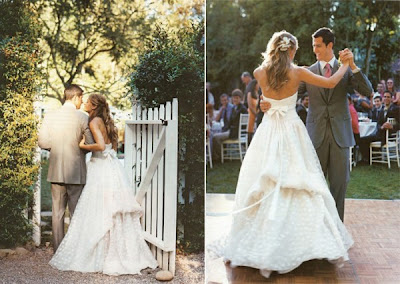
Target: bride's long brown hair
[[103, 111], [277, 61]]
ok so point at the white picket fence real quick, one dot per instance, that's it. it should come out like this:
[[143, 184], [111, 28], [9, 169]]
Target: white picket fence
[[151, 162]]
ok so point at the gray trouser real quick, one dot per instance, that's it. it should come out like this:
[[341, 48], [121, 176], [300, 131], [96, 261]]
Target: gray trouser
[[61, 195], [218, 138], [335, 165]]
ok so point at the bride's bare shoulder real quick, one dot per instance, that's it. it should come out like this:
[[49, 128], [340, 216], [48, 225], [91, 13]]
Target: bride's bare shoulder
[[258, 72]]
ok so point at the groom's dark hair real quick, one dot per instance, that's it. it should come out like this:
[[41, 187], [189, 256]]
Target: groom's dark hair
[[71, 91], [326, 34]]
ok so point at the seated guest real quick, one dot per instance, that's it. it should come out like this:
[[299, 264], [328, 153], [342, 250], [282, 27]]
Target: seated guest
[[225, 112], [364, 104], [232, 131], [377, 108], [389, 110], [302, 108], [354, 120]]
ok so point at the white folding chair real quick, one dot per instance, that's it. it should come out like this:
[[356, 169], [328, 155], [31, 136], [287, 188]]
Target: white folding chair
[[208, 141], [236, 148], [353, 157], [388, 151], [208, 151]]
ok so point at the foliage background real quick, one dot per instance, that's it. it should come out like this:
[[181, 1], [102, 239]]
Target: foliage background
[[19, 82], [93, 43], [172, 66], [238, 31]]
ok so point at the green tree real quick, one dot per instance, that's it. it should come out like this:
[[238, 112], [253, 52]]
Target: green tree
[[173, 67], [87, 40], [19, 82], [238, 31]]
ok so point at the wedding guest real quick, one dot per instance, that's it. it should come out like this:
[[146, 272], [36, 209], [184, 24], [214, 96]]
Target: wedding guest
[[354, 120], [246, 79], [364, 104], [302, 108], [252, 97], [210, 96], [389, 110], [377, 108], [379, 89], [232, 132], [391, 88], [383, 82], [225, 112]]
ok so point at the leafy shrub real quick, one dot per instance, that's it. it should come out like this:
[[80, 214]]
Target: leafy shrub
[[19, 79], [172, 66]]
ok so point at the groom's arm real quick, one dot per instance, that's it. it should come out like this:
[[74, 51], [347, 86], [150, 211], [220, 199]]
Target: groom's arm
[[86, 130], [360, 83], [358, 80], [44, 139]]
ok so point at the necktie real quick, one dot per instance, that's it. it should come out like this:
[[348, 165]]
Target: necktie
[[328, 70]]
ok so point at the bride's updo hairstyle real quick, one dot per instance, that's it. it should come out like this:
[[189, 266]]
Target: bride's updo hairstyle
[[103, 111], [277, 60]]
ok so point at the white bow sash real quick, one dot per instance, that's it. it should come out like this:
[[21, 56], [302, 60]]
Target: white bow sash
[[278, 111], [109, 154]]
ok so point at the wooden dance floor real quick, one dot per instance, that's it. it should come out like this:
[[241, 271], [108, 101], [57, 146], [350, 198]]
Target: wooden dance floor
[[374, 258]]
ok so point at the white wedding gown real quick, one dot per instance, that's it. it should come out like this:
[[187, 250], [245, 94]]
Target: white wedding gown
[[295, 217], [105, 233]]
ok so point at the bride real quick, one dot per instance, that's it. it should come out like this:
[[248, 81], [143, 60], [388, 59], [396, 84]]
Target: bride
[[284, 212], [105, 233]]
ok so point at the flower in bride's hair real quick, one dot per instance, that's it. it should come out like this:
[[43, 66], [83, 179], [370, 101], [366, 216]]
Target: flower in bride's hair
[[284, 44]]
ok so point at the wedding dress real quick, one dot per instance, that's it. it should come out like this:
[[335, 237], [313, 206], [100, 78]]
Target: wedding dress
[[105, 233], [285, 213]]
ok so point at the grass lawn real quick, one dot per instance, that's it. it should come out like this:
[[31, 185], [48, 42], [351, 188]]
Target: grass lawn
[[366, 182], [45, 188]]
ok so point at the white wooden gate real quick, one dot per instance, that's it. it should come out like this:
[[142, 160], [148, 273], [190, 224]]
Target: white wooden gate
[[151, 161]]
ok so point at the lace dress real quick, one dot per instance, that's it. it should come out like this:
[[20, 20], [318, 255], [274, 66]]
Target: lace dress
[[105, 233], [287, 214]]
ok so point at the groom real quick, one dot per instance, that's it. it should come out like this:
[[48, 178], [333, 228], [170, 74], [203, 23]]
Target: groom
[[61, 132], [328, 120]]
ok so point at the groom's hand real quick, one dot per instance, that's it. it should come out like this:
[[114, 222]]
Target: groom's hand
[[347, 55], [264, 105]]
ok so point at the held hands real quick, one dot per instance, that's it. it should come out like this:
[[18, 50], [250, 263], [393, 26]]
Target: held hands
[[347, 57]]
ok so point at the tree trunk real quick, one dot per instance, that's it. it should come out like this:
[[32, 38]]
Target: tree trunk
[[370, 35]]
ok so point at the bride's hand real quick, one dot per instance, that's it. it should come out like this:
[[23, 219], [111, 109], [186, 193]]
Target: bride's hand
[[82, 143], [345, 56]]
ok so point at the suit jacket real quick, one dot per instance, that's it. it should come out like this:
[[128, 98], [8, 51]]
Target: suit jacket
[[61, 132], [392, 112], [235, 119], [332, 105], [228, 110], [375, 113], [302, 112]]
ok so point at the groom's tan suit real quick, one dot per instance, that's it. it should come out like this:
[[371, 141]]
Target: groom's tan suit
[[61, 132]]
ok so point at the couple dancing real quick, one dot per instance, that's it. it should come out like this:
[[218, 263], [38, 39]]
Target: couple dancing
[[284, 213], [105, 233]]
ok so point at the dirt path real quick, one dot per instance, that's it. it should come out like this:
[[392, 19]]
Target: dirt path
[[34, 268]]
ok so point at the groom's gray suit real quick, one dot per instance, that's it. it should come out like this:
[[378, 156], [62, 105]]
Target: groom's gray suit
[[329, 126], [61, 132]]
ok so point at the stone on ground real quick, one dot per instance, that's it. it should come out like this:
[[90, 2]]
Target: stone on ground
[[164, 275], [6, 252], [21, 251]]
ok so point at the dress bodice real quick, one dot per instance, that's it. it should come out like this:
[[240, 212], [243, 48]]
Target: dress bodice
[[282, 108], [108, 152]]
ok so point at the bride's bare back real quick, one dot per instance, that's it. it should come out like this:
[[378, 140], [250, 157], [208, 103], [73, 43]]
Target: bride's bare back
[[296, 75]]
